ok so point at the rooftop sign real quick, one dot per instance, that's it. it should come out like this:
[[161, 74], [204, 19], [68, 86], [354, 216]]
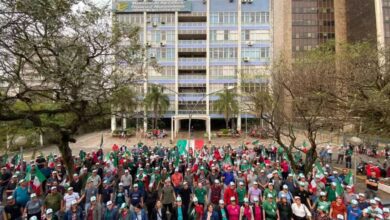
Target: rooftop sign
[[153, 6]]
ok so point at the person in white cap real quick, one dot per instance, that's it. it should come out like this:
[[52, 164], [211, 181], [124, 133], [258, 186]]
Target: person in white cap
[[254, 192], [49, 214], [221, 210], [284, 208], [111, 212], [270, 208], [353, 211], [34, 207], [300, 210], [230, 192], [340, 217], [246, 210], [89, 191], [167, 196], [284, 192], [107, 193], [241, 193], [94, 209], [349, 195], [372, 185], [53, 200], [22, 194], [233, 209], [386, 213], [363, 204], [76, 183], [178, 210], [126, 180], [136, 196], [69, 197], [74, 212], [270, 191], [12, 210], [373, 209], [95, 178]]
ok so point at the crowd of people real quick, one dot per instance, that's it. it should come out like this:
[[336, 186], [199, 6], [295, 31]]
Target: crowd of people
[[160, 183]]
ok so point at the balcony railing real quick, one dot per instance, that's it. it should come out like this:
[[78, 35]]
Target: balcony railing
[[197, 95], [192, 77], [192, 112], [191, 42], [192, 24]]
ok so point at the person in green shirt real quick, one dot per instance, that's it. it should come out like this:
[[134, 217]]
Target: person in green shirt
[[323, 202], [201, 194], [331, 191], [270, 191], [270, 209], [241, 192]]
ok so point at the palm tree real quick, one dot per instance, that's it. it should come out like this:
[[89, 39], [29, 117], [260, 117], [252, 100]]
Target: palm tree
[[227, 105], [156, 100]]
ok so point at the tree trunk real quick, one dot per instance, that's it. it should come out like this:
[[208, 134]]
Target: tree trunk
[[155, 121], [66, 153], [233, 124], [227, 123]]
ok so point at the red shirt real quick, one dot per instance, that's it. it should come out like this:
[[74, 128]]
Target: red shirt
[[229, 192], [337, 209]]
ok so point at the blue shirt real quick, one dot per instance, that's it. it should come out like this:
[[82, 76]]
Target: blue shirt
[[179, 214], [21, 195], [229, 177], [353, 213]]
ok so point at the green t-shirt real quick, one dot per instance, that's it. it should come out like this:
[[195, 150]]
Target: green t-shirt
[[179, 214], [223, 213], [269, 192], [241, 192], [331, 194], [270, 210], [325, 204], [200, 194]]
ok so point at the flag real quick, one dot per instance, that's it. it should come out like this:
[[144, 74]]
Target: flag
[[199, 143], [349, 178], [28, 173], [39, 177], [182, 146], [304, 144], [115, 147], [116, 159], [339, 188], [256, 142], [319, 169]]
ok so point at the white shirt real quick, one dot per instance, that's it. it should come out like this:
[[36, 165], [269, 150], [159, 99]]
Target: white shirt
[[69, 198], [126, 180], [300, 211]]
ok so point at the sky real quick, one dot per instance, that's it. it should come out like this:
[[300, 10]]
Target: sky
[[102, 2]]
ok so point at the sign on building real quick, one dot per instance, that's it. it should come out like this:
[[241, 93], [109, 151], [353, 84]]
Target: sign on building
[[153, 6]]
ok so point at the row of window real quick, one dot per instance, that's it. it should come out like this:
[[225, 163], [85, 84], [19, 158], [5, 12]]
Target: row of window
[[231, 53], [313, 22], [158, 36], [313, 35], [226, 35], [313, 10], [226, 18]]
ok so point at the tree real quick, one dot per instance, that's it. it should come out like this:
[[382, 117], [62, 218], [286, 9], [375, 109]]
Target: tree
[[305, 99], [367, 84], [61, 64], [227, 105], [157, 101], [124, 101]]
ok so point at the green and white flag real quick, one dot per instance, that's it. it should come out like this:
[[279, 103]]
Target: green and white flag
[[27, 178], [349, 178], [256, 142], [182, 146], [320, 170], [339, 189], [39, 177]]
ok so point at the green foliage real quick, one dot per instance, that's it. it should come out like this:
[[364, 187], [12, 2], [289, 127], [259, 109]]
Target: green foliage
[[156, 101], [227, 104]]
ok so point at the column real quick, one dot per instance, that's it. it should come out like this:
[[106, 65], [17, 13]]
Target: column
[[208, 60], [124, 123], [177, 122], [208, 127], [113, 123], [176, 63], [145, 123], [239, 60], [145, 29], [172, 127]]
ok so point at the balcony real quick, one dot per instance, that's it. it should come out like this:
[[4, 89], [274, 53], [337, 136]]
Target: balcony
[[192, 25], [191, 61], [192, 96], [192, 112], [186, 77]]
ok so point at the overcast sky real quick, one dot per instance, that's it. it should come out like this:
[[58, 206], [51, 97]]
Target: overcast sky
[[102, 2]]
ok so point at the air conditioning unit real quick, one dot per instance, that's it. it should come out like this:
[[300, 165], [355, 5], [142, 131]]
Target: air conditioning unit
[[154, 24], [250, 43], [163, 43], [148, 21], [153, 55], [231, 0], [162, 22], [148, 44], [244, 1], [204, 2], [247, 59], [250, 1]]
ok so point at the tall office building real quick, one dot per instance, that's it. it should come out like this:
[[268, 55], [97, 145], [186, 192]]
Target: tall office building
[[202, 47]]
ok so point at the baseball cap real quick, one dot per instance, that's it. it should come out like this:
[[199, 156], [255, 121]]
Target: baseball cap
[[216, 181], [120, 184], [135, 185], [270, 196], [386, 210], [195, 199], [74, 202], [362, 195], [109, 203], [49, 211], [33, 195], [232, 198], [221, 202], [256, 199], [70, 188], [178, 199], [354, 202], [232, 183], [246, 200], [241, 183], [285, 186], [372, 201], [10, 197], [322, 193], [53, 188], [340, 217], [93, 198]]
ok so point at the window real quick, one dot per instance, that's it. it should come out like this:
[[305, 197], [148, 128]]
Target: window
[[223, 53], [247, 35], [223, 18], [226, 35]]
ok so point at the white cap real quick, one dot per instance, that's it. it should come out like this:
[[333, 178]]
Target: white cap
[[10, 197], [256, 199], [232, 183], [33, 218], [178, 199], [255, 183], [241, 183], [246, 200], [49, 211], [334, 184], [120, 184], [74, 202], [135, 185], [93, 198], [386, 210], [354, 202], [221, 202], [322, 193], [33, 195], [53, 188], [232, 198], [372, 201], [339, 216], [177, 169], [70, 188], [362, 195], [195, 199], [109, 203], [216, 181], [285, 186], [377, 199]]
